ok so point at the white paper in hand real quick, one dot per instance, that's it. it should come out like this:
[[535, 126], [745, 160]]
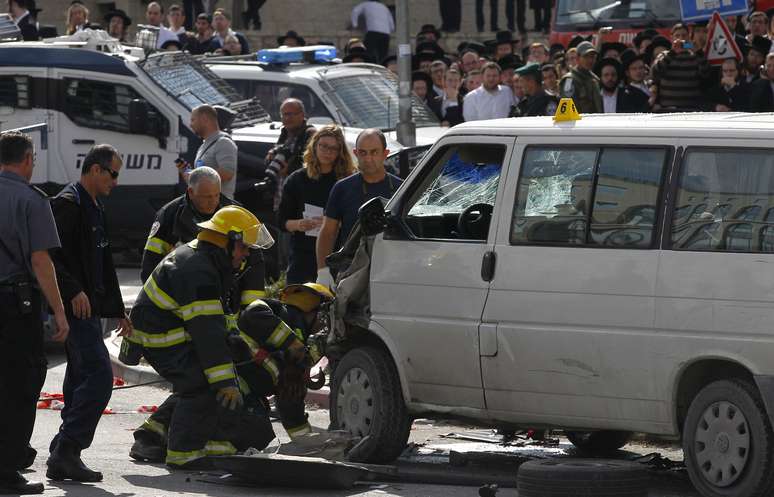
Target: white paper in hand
[[312, 212]]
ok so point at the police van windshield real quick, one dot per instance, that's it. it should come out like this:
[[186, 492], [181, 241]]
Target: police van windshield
[[371, 101], [593, 14], [192, 84]]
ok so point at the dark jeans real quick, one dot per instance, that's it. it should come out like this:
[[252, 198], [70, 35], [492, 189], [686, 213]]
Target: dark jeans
[[451, 14], [88, 382], [22, 373], [302, 267], [378, 45], [492, 14]]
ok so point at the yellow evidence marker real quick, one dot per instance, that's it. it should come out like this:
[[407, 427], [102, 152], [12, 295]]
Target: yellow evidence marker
[[566, 111]]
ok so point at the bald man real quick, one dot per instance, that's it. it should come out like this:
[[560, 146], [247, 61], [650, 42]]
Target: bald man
[[217, 151]]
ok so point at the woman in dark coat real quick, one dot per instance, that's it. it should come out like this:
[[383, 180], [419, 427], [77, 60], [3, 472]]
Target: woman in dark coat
[[732, 93]]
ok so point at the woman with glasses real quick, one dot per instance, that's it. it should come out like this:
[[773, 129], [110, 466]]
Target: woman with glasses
[[305, 194]]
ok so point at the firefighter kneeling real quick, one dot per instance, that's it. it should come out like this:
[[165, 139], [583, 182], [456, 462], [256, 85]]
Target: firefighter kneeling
[[181, 329], [273, 335]]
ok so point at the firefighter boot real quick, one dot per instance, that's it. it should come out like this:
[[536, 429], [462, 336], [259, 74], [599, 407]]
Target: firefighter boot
[[65, 464], [147, 447]]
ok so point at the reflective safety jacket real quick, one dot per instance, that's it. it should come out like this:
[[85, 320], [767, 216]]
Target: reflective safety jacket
[[271, 326], [179, 319]]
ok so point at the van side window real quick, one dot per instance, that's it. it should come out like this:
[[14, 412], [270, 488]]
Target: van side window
[[455, 200], [588, 196], [271, 95], [93, 104], [15, 92], [734, 195]]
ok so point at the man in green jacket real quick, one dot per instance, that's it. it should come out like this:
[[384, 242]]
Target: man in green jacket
[[581, 84]]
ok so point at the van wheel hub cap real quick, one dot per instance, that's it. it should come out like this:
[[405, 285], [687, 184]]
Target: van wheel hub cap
[[722, 443], [355, 403]]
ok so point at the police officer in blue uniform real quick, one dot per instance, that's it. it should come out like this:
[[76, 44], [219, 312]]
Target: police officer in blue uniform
[[27, 232], [88, 282]]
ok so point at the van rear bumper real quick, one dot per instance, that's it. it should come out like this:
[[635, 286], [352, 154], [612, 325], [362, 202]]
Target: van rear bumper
[[766, 388]]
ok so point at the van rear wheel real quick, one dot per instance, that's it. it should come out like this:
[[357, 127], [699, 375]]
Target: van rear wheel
[[367, 401], [728, 442], [598, 442]]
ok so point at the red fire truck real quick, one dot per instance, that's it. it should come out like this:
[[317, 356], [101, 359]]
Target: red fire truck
[[626, 17]]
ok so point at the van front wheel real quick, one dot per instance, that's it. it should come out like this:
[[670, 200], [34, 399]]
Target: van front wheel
[[367, 401], [598, 442], [728, 442]]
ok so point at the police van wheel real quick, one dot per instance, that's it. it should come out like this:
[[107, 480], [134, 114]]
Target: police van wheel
[[598, 442], [367, 401], [728, 442]]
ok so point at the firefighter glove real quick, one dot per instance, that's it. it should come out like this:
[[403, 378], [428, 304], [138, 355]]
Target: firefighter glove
[[230, 398]]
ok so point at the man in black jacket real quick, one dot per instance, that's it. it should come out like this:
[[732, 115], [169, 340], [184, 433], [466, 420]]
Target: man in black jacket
[[19, 10], [618, 98], [537, 101], [762, 94], [87, 280]]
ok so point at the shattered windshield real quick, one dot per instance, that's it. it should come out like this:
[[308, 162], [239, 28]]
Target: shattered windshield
[[469, 175], [192, 84], [371, 100]]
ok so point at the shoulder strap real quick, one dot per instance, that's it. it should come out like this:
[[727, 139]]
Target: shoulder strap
[[210, 145]]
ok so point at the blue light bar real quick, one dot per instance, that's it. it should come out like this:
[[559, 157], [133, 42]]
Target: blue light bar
[[315, 53]]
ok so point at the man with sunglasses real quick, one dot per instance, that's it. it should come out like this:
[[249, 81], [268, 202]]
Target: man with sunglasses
[[89, 287]]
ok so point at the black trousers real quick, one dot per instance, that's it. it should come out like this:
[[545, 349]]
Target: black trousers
[[521, 8], [302, 267], [451, 14], [543, 16], [201, 427], [192, 8], [253, 14], [378, 45], [22, 373], [492, 14]]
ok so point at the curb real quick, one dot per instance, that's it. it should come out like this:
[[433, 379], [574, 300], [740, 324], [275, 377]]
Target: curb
[[143, 374]]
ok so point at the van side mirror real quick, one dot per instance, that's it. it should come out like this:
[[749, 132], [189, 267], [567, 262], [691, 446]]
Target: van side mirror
[[138, 117], [373, 219]]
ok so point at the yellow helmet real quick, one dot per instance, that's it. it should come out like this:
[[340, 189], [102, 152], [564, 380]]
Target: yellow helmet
[[239, 224], [306, 297]]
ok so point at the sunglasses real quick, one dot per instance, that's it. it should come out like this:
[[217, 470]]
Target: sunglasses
[[113, 174]]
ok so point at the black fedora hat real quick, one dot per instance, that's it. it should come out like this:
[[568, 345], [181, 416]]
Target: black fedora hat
[[358, 53], [429, 47], [118, 13], [501, 38], [429, 29], [291, 34]]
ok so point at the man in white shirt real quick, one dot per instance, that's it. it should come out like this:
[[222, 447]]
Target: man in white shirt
[[153, 16], [376, 20], [491, 100], [176, 20]]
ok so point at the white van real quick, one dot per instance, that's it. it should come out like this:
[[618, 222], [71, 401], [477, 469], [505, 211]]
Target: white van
[[605, 276]]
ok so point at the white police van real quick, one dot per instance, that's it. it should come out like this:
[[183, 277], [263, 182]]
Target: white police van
[[90, 89], [356, 95], [606, 276]]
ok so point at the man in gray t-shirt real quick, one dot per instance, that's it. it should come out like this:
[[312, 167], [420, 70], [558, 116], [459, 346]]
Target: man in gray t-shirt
[[218, 150]]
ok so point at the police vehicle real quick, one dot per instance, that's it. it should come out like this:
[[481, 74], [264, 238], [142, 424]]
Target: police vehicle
[[356, 95], [89, 89]]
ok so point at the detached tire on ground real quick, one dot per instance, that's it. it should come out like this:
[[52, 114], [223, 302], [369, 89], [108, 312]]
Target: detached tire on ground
[[567, 477], [598, 442], [728, 442], [367, 401]]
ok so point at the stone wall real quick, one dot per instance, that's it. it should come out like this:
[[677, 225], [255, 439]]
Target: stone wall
[[316, 20]]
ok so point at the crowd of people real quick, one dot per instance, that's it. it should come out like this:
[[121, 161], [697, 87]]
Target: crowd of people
[[655, 73]]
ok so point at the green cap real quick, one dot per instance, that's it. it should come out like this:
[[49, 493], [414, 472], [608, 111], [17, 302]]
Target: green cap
[[531, 69]]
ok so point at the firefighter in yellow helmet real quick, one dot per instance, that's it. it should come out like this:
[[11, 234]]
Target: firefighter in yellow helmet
[[181, 329], [274, 333]]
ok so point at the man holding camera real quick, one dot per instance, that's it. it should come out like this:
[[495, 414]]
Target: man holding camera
[[218, 150], [288, 155]]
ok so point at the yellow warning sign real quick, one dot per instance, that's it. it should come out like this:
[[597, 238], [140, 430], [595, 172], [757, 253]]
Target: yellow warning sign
[[566, 111]]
